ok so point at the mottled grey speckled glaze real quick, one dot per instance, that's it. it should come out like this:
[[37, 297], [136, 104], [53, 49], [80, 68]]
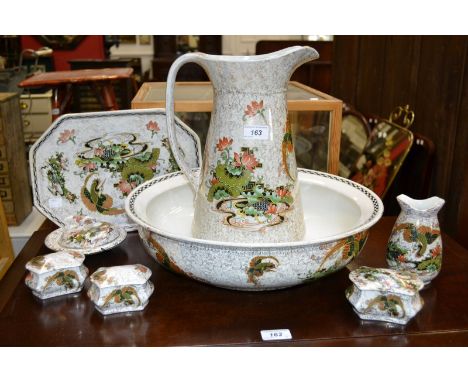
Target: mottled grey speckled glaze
[[248, 91]]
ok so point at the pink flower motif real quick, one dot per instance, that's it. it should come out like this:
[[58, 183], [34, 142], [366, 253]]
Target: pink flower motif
[[223, 143], [254, 108], [125, 187], [90, 166], [282, 192], [67, 135], [247, 160], [272, 209], [99, 151], [78, 218], [153, 127]]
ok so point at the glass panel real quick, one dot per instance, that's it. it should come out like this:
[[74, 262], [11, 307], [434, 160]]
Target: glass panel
[[311, 130], [182, 93], [204, 92], [297, 93]]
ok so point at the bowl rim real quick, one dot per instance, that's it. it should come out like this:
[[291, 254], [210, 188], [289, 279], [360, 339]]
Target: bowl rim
[[373, 219]]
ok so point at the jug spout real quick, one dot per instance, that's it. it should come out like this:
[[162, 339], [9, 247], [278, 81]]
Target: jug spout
[[291, 58], [265, 73], [427, 206]]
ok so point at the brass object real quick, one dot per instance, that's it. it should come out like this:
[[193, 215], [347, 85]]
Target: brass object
[[402, 116]]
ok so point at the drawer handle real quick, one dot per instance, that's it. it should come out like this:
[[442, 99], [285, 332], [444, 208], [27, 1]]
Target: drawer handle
[[26, 122], [23, 105]]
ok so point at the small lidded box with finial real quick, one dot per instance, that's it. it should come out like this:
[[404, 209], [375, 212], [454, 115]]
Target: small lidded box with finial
[[385, 294]]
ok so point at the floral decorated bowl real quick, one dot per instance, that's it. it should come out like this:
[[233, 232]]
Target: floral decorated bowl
[[337, 212]]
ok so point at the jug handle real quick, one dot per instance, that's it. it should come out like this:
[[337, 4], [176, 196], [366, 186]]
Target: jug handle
[[170, 114]]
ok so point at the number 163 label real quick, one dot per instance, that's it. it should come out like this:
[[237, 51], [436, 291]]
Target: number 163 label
[[260, 132]]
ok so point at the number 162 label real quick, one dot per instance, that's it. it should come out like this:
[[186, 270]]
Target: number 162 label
[[259, 132]]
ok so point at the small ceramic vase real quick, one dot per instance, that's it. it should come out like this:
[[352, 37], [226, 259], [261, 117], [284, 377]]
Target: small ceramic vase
[[56, 274], [119, 289], [415, 242], [385, 294]]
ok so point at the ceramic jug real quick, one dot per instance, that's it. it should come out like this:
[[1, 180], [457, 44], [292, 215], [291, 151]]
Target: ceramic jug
[[415, 242], [247, 189]]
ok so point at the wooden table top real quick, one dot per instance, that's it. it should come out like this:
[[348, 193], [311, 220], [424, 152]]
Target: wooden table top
[[185, 312], [75, 76]]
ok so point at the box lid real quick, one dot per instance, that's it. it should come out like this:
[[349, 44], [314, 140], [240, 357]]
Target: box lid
[[386, 280], [54, 261], [121, 275]]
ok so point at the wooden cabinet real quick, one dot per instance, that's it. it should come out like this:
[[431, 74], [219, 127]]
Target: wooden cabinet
[[15, 189], [36, 112]]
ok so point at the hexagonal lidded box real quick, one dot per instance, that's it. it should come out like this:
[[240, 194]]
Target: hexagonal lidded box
[[56, 274], [385, 294], [123, 288]]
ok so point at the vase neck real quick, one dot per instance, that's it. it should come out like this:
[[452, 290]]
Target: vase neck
[[420, 206]]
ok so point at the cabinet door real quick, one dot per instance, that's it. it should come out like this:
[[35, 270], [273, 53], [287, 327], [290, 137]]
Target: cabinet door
[[6, 254]]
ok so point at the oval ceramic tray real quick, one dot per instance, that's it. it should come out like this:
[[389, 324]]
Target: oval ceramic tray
[[337, 211], [86, 164]]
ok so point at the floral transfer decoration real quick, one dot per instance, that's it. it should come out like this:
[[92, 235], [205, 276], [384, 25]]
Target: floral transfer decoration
[[125, 296], [424, 258], [67, 135], [381, 279], [161, 255], [236, 191], [89, 235], [338, 255], [66, 279], [390, 304], [287, 150], [55, 167], [253, 109], [259, 265], [153, 127]]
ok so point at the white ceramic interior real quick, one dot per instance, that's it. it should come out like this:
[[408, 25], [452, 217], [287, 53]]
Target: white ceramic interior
[[332, 210]]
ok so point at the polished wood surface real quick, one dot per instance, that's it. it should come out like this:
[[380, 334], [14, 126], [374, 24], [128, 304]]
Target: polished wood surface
[[75, 77], [185, 312]]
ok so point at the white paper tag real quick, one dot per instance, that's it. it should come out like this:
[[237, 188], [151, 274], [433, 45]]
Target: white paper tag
[[258, 132], [276, 334], [55, 111], [55, 202]]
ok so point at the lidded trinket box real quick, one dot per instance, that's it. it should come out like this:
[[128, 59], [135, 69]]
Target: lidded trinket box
[[56, 274], [385, 294], [85, 235], [123, 288]]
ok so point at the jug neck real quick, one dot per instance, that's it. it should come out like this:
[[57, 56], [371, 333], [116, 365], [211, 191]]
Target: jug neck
[[430, 206], [261, 74]]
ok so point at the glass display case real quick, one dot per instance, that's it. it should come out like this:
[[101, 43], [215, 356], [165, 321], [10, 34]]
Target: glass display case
[[315, 117]]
